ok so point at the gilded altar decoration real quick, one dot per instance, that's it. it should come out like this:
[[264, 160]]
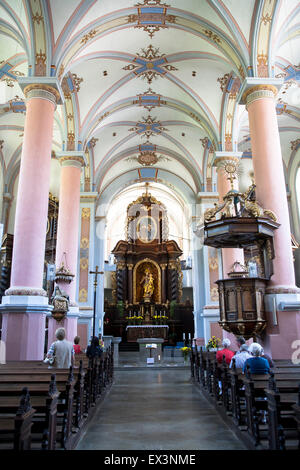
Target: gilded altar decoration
[[148, 285]]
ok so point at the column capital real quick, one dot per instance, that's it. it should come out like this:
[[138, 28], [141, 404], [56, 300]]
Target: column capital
[[222, 157], [72, 158], [47, 88], [257, 88], [163, 266], [130, 266]]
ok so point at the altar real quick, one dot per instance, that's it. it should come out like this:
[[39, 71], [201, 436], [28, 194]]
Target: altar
[[135, 332]]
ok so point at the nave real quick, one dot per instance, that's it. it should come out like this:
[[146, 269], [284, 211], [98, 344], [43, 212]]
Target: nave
[[157, 409]]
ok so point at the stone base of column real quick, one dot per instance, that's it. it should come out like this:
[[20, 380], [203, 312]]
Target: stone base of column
[[282, 335], [116, 341], [23, 326], [107, 341], [69, 323]]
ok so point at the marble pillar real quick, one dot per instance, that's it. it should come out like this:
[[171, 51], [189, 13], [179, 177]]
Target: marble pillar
[[25, 304], [282, 299], [67, 238]]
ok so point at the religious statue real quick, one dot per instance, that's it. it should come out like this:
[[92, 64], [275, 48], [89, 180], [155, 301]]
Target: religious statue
[[60, 301], [148, 284]]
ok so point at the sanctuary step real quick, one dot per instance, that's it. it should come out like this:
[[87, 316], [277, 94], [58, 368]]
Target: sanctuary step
[[128, 347]]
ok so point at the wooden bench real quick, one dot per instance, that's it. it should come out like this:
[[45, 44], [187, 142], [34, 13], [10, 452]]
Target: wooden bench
[[16, 423], [256, 397]]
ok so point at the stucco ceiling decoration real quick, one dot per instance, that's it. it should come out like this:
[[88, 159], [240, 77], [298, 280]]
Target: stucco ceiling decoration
[[149, 100], [151, 16], [149, 127], [150, 64], [7, 74]]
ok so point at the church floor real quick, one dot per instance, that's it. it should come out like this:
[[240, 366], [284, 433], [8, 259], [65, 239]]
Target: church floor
[[156, 410]]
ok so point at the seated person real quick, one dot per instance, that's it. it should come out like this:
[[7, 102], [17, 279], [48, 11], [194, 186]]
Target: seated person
[[241, 356], [94, 350], [241, 342], [225, 352], [269, 359], [257, 363], [76, 345]]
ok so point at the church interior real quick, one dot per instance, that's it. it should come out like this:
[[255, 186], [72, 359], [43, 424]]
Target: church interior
[[150, 194]]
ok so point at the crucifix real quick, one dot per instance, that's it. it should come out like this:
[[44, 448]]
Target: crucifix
[[96, 272]]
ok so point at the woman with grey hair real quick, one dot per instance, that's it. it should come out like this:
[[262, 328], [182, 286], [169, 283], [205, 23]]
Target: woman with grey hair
[[225, 352], [61, 352], [257, 363]]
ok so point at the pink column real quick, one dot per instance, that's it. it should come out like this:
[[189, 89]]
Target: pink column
[[25, 304], [271, 194], [269, 179], [33, 193], [229, 255], [67, 237]]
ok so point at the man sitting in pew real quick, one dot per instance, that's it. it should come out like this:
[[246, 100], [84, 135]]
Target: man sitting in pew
[[257, 363]]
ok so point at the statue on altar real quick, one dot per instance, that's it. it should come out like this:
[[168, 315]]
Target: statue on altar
[[148, 285]]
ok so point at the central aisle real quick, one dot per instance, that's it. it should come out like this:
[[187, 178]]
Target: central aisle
[[156, 409]]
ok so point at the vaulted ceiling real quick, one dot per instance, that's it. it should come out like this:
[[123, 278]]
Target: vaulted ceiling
[[150, 87]]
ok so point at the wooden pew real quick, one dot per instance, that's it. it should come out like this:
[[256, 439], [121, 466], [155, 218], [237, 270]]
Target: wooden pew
[[281, 415], [44, 397], [38, 382], [78, 389], [255, 394], [18, 422]]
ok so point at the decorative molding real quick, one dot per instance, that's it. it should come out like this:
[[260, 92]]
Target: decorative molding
[[151, 19], [294, 144], [39, 90], [150, 65], [258, 92], [149, 127], [26, 291]]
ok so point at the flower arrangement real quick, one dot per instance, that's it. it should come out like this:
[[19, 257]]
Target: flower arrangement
[[160, 319], [185, 352], [213, 343], [135, 319]]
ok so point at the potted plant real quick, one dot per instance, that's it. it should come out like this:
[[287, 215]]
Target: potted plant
[[186, 353], [213, 344]]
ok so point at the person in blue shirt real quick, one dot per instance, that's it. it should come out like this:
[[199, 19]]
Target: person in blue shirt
[[257, 364]]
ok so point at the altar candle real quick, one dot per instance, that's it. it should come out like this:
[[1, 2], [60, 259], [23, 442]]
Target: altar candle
[[183, 335], [189, 335]]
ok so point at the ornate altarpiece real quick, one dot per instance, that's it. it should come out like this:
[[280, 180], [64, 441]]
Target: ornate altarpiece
[[147, 247]]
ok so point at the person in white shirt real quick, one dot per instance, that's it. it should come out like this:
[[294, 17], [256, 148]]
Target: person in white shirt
[[241, 357]]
